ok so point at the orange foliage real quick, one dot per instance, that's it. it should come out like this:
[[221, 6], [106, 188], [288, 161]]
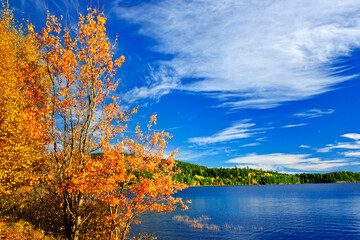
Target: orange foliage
[[115, 188]]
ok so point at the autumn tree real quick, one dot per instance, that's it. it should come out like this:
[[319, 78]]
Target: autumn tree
[[23, 94], [131, 176]]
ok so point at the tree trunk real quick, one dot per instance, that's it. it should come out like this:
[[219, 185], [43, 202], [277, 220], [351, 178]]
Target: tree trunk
[[76, 228], [72, 216]]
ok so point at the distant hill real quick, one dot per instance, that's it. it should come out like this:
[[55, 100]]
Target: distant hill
[[195, 175]]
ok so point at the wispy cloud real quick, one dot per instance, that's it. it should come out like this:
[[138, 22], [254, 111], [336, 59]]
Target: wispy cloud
[[313, 113], [295, 125], [352, 154], [192, 155], [250, 144], [38, 4], [344, 145], [354, 136], [340, 146], [67, 10], [281, 161], [238, 131], [160, 82], [65, 7], [252, 54], [304, 146]]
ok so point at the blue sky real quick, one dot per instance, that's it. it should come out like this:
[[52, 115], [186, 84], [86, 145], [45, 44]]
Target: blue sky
[[266, 84]]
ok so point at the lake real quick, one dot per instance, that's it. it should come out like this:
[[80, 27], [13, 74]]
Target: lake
[[306, 211]]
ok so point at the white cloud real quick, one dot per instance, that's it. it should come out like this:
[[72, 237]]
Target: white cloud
[[252, 54], [313, 113], [261, 139], [329, 147], [160, 82], [354, 136], [295, 125], [354, 145], [238, 131], [250, 144], [192, 155], [279, 161], [304, 146], [352, 154]]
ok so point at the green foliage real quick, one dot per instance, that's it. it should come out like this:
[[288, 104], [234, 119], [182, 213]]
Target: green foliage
[[195, 175]]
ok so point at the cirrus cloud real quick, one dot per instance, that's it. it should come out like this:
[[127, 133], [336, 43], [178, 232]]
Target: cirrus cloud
[[354, 145], [252, 54], [314, 113], [281, 161], [240, 130]]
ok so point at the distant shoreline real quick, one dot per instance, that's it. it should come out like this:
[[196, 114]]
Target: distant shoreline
[[195, 175], [269, 184]]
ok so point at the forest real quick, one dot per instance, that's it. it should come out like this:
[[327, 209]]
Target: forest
[[195, 175]]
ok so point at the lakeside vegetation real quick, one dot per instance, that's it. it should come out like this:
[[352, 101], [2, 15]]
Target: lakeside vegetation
[[195, 175]]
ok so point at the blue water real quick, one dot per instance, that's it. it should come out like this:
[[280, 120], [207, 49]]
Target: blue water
[[308, 211]]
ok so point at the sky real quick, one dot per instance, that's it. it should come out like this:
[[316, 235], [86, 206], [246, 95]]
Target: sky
[[271, 84]]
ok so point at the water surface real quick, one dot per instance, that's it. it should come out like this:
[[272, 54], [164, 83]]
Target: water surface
[[307, 211]]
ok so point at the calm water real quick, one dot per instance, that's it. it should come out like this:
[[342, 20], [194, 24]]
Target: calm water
[[309, 211]]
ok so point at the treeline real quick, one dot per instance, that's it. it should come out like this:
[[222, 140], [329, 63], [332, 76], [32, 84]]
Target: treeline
[[195, 175]]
